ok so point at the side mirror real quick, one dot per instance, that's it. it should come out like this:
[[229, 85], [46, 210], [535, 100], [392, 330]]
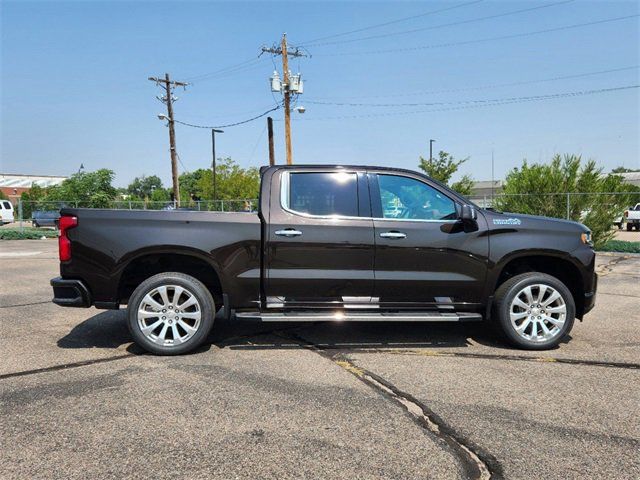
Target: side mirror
[[468, 213]]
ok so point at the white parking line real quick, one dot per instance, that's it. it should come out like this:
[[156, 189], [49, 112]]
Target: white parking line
[[18, 254]]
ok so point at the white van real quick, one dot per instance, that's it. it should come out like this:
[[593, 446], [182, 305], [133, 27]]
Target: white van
[[6, 211]]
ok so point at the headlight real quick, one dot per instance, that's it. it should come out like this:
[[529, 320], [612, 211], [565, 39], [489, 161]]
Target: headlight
[[586, 238]]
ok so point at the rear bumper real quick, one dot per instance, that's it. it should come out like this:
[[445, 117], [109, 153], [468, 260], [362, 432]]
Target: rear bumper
[[70, 293]]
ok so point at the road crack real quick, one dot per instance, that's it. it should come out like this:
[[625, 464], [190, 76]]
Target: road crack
[[476, 462]]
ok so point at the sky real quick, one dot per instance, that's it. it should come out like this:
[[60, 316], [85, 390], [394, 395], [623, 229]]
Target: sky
[[74, 83]]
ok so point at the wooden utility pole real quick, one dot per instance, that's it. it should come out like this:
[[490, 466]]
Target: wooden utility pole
[[287, 100], [272, 153], [168, 84], [287, 89]]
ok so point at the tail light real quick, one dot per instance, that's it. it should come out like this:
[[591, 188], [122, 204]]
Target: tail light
[[626, 214], [64, 244]]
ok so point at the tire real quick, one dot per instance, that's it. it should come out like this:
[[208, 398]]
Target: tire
[[170, 331], [629, 226], [555, 316]]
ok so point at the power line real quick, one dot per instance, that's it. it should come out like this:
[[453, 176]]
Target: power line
[[479, 40], [252, 60], [370, 27], [482, 103], [453, 90], [432, 27], [277, 107]]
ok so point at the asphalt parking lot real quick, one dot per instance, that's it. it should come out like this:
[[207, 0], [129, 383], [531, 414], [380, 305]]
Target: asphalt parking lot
[[78, 400]]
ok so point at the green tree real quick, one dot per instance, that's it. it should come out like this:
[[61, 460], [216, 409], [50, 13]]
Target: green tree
[[232, 181], [143, 187], [624, 170], [545, 187], [32, 199], [443, 167], [86, 189], [3, 196]]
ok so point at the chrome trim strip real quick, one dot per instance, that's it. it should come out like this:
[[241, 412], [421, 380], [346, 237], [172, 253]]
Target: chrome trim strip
[[284, 204]]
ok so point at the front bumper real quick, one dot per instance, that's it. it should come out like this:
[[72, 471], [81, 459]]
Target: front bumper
[[70, 293], [590, 297]]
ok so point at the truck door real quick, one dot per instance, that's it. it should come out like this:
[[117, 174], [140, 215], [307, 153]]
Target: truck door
[[320, 243], [424, 256]]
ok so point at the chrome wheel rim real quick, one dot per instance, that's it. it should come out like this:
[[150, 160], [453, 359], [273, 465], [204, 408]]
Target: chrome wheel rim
[[169, 315], [538, 313]]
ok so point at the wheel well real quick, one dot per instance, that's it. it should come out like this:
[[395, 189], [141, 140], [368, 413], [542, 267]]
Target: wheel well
[[559, 268], [147, 266]]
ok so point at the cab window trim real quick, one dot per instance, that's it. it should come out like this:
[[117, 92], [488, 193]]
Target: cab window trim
[[285, 192]]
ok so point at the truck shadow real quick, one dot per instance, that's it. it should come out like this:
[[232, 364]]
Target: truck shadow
[[109, 330]]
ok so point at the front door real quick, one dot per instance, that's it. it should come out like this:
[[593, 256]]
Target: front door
[[425, 257], [320, 242]]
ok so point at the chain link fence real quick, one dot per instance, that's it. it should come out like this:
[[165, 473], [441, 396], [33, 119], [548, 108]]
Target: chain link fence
[[43, 214], [574, 206]]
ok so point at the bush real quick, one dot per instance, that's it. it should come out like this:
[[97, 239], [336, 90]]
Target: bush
[[621, 246], [26, 234]]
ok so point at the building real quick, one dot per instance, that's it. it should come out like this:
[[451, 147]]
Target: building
[[13, 185]]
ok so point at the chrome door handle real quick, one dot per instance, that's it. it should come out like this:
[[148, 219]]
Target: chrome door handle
[[394, 235], [289, 232]]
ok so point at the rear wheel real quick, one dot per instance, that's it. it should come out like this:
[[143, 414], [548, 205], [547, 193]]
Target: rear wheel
[[629, 226], [534, 311], [170, 313]]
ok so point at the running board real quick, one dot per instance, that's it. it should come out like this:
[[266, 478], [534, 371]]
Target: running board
[[360, 316]]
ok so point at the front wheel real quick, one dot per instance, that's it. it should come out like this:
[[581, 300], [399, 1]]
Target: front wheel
[[170, 313], [534, 310]]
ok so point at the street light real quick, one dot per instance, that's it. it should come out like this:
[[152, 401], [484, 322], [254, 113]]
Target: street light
[[213, 162], [431, 150]]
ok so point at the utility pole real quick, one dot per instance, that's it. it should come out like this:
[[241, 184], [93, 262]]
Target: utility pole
[[289, 85], [168, 99], [213, 161], [431, 150], [287, 100], [272, 154]]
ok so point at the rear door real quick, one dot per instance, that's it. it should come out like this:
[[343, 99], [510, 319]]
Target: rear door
[[425, 257], [320, 242]]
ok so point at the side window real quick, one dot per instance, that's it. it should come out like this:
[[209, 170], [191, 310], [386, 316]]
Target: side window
[[7, 205], [407, 198], [323, 193]]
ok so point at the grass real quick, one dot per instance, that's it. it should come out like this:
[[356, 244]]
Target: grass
[[27, 233], [621, 246]]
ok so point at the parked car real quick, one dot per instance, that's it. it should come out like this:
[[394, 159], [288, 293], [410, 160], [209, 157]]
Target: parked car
[[632, 217], [45, 218], [619, 221], [325, 245], [6, 211]]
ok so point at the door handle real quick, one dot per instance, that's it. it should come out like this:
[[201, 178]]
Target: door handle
[[394, 235], [288, 232]]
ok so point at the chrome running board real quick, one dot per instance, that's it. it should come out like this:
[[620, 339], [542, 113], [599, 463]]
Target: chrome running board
[[349, 316]]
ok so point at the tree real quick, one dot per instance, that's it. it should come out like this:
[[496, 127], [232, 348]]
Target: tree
[[545, 188], [143, 187], [624, 170], [86, 189], [3, 196], [443, 168]]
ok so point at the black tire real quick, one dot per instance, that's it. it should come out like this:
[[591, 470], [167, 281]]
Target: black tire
[[505, 295], [193, 287], [629, 226]]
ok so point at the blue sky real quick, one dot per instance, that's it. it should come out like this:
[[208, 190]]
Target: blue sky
[[74, 83]]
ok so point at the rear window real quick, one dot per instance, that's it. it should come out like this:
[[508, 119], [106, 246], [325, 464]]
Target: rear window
[[6, 205], [323, 194]]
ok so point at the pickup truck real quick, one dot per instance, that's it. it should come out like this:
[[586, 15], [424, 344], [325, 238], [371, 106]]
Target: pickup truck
[[632, 217], [329, 243]]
